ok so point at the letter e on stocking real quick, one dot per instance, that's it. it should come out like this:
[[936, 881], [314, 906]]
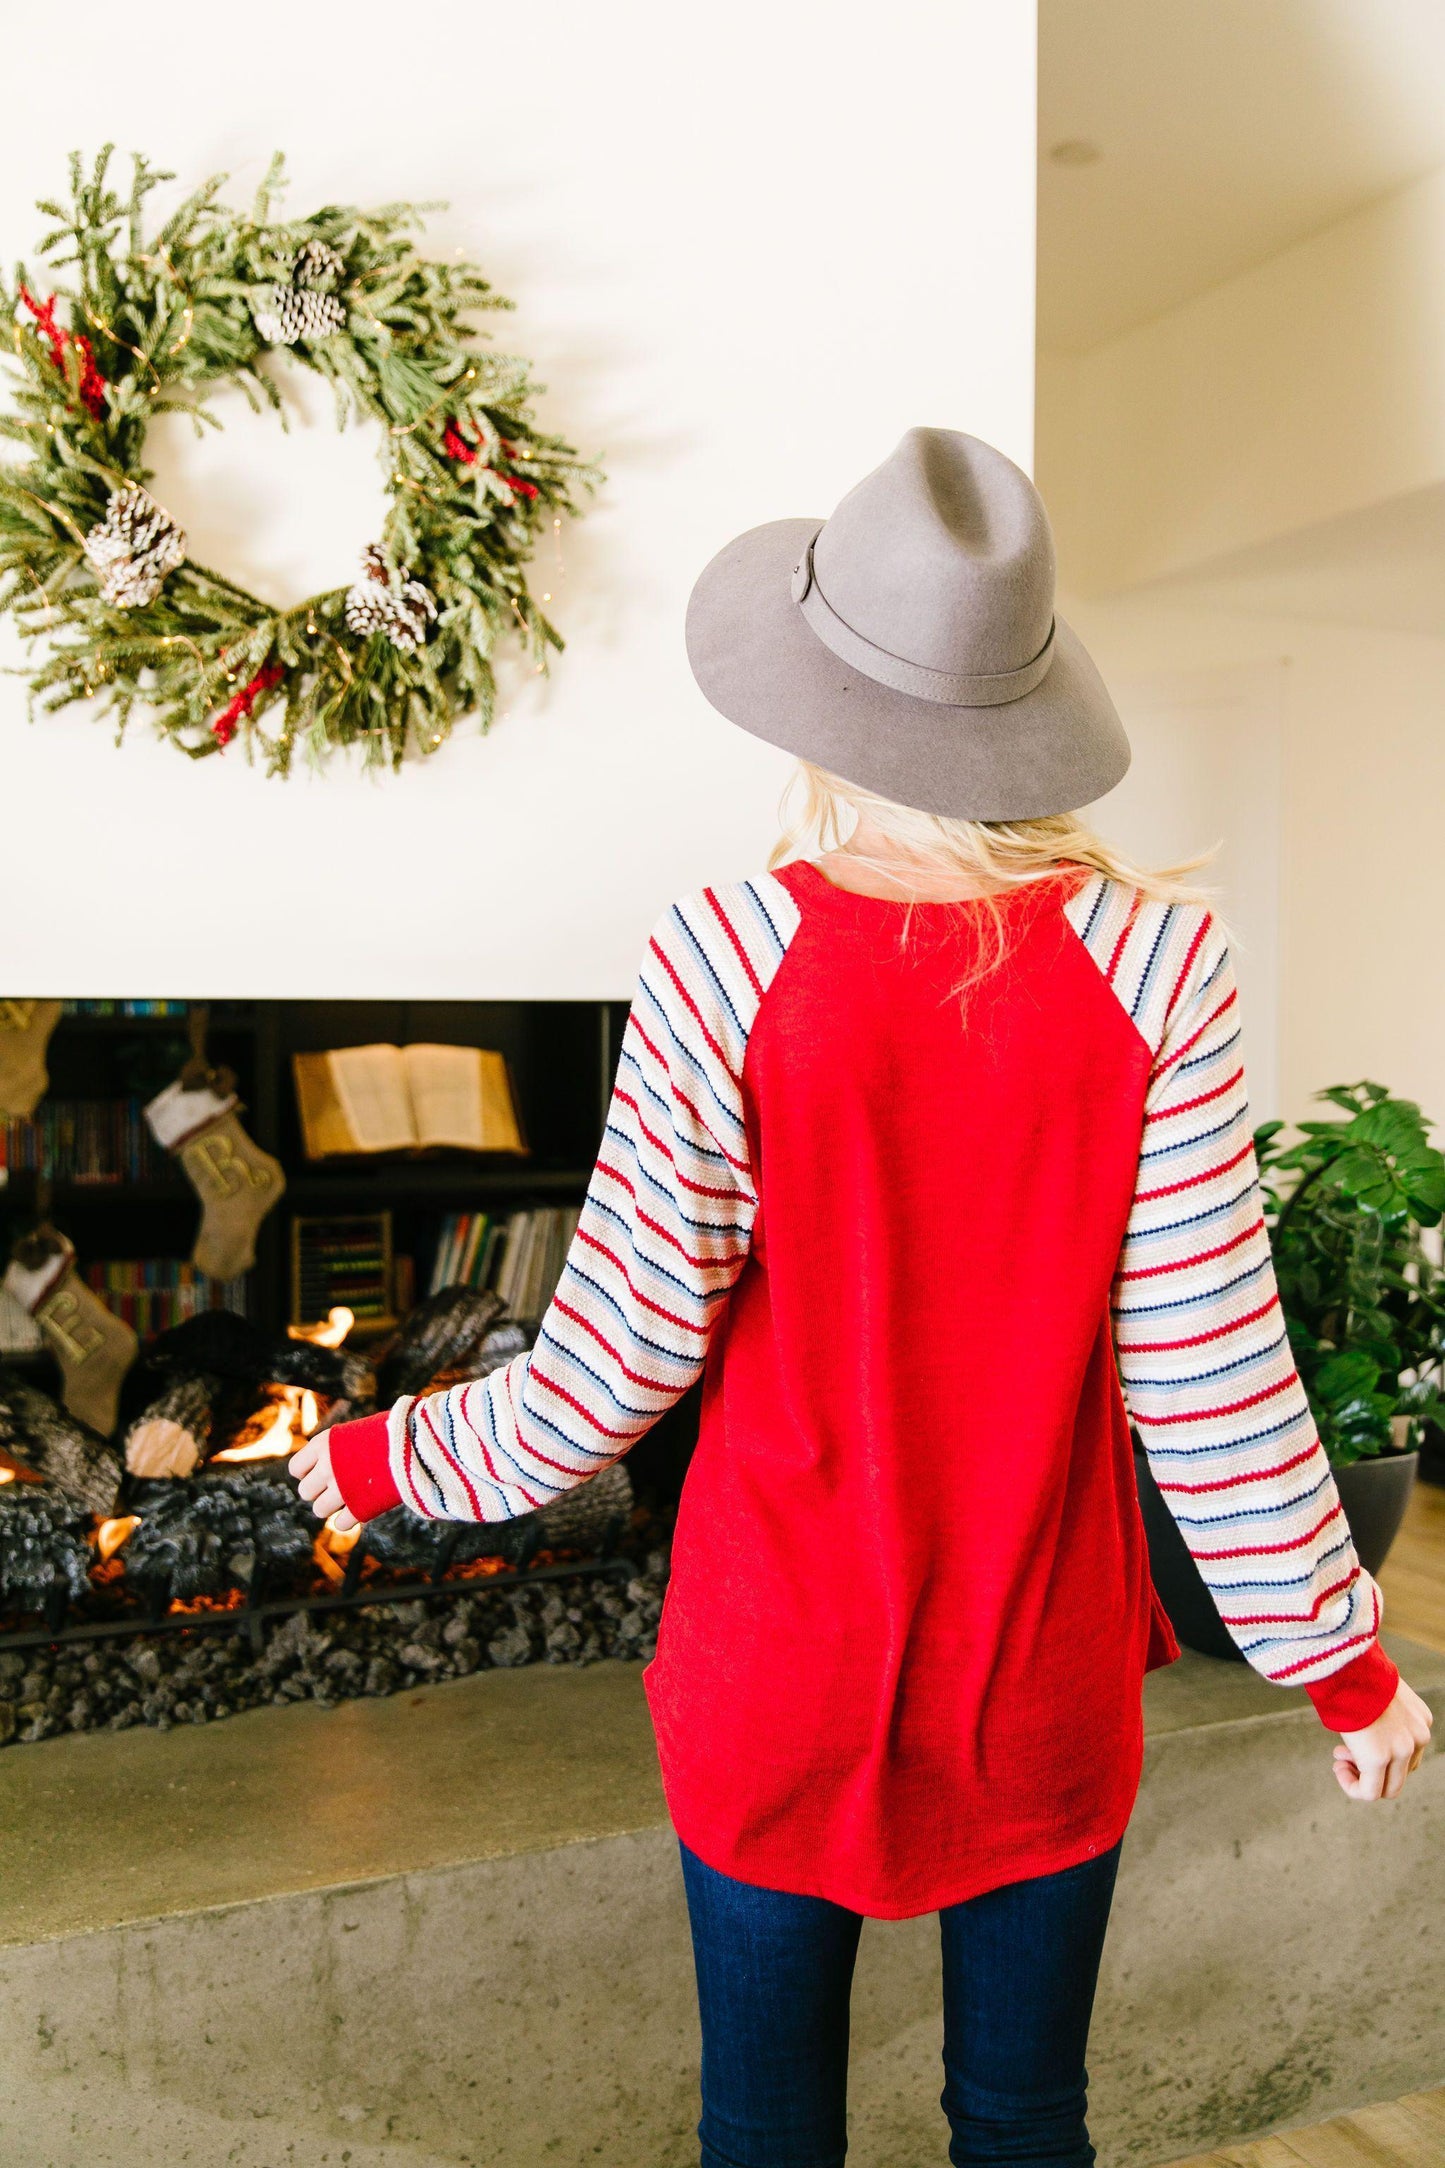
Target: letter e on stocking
[[93, 1348]]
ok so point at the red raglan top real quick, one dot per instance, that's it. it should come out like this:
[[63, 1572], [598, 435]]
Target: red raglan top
[[915, 1239]]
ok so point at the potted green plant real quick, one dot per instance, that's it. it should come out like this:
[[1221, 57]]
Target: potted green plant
[[1346, 1202]]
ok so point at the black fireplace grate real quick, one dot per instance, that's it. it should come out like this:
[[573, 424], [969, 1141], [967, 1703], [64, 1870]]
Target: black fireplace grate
[[252, 1618]]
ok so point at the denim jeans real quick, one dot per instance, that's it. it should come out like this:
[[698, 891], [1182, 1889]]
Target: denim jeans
[[774, 1973]]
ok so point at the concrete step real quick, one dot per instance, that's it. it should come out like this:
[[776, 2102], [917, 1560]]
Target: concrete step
[[446, 1931]]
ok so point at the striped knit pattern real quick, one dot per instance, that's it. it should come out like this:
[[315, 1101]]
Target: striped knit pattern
[[663, 1235], [1203, 1355]]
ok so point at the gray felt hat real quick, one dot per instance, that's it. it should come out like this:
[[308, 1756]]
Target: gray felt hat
[[909, 643]]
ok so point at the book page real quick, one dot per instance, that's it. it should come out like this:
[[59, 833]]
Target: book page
[[501, 1125], [371, 1085], [324, 1127], [460, 1096]]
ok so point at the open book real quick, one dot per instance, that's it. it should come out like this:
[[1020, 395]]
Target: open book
[[405, 1098]]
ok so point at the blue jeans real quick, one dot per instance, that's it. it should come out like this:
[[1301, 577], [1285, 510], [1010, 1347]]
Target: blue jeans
[[774, 1974]]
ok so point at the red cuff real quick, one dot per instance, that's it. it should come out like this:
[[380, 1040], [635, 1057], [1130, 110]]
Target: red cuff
[[361, 1464], [1352, 1697]]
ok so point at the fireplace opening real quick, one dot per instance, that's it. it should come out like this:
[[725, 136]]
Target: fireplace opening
[[180, 1323]]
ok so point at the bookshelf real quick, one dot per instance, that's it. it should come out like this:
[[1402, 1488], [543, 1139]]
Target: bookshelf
[[561, 1057]]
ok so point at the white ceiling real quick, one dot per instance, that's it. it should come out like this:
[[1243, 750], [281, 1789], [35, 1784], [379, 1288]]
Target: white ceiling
[[1228, 129]]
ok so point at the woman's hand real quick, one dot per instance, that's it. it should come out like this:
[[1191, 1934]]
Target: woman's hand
[[1374, 1763], [311, 1466]]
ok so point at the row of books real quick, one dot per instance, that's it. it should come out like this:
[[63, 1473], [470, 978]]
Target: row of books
[[467, 1250], [104, 1141], [519, 1254], [532, 1257], [125, 1008], [151, 1294]]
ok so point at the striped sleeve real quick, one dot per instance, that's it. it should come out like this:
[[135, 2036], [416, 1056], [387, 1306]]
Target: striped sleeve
[[663, 1235], [1203, 1355]]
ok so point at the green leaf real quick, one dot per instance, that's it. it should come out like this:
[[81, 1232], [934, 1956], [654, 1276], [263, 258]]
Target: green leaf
[[1364, 1175], [1342, 1378], [1426, 1186]]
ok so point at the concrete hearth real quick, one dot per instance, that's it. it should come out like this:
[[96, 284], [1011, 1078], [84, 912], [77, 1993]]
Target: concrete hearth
[[446, 1931]]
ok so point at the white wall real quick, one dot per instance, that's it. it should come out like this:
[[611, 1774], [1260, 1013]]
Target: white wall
[[1361, 869], [1251, 483], [1208, 743], [749, 247]]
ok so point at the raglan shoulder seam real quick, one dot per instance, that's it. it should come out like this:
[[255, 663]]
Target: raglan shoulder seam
[[724, 944], [711, 959], [1147, 951]]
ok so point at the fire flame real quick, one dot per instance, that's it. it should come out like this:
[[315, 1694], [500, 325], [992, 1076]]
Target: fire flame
[[7, 1475], [295, 1415], [332, 1547], [110, 1535], [198, 1606], [338, 1324]]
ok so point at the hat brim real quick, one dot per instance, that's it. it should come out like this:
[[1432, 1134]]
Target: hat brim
[[761, 665]]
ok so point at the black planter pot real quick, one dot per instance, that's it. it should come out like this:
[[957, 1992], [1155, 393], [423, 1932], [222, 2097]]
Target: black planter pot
[[1432, 1453], [1374, 1494]]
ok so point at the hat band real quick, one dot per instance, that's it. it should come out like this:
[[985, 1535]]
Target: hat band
[[949, 688]]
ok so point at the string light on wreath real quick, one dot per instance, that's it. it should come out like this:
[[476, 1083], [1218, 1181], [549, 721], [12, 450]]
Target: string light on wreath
[[96, 572]]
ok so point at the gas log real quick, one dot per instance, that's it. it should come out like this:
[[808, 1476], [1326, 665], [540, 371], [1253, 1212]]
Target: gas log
[[217, 1531], [169, 1437], [58, 1447], [205, 1510], [44, 1549], [455, 1334], [54, 1476], [588, 1519]]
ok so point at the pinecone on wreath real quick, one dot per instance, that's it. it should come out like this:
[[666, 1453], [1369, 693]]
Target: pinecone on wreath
[[133, 548], [319, 268], [307, 308], [383, 600]]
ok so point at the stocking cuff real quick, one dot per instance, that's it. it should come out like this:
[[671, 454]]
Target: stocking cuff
[[176, 1115], [30, 1284]]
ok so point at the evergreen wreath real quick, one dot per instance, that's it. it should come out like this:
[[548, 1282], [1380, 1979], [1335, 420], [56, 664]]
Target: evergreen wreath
[[91, 562]]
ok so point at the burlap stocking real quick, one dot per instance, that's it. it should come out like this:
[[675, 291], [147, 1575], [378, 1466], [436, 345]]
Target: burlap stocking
[[235, 1180], [94, 1349], [25, 1028]]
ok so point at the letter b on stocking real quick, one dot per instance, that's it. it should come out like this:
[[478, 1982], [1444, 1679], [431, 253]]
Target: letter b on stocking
[[237, 1184]]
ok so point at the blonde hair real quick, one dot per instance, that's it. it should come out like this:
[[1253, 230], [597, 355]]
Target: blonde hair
[[1002, 857]]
